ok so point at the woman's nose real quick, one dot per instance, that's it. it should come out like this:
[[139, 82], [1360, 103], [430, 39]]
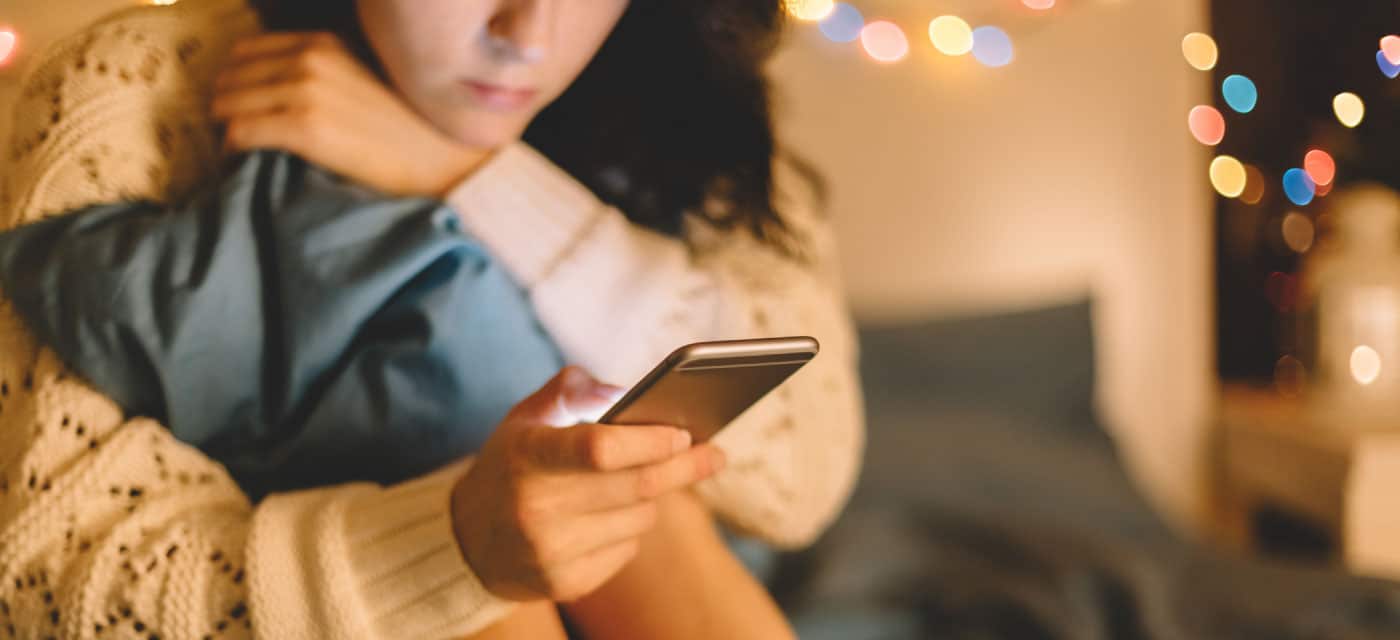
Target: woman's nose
[[520, 30]]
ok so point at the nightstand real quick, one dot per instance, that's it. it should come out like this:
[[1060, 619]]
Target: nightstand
[[1274, 457]]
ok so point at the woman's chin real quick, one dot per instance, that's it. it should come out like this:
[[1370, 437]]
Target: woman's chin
[[485, 132]]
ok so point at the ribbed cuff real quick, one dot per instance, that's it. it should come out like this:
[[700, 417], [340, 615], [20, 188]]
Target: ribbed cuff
[[412, 577], [526, 209]]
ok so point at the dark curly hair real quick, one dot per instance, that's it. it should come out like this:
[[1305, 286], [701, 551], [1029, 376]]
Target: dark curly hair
[[696, 138]]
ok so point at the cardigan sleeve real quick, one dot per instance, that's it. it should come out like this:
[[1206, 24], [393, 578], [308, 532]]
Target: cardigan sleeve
[[617, 298], [298, 329], [113, 528]]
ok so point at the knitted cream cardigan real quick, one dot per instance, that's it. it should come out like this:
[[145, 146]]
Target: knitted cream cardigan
[[111, 528]]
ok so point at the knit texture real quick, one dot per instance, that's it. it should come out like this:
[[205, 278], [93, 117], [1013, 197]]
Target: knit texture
[[111, 528]]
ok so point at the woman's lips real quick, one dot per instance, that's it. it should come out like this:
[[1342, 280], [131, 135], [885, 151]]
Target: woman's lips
[[500, 98]]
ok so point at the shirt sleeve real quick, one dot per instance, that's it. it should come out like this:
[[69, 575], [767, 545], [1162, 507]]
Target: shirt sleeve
[[617, 297], [296, 328]]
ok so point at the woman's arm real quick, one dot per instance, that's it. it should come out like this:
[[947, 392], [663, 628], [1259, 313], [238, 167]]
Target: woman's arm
[[617, 298]]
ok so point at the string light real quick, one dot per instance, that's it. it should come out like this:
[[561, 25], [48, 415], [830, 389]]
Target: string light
[[809, 10], [844, 23], [9, 44], [1298, 232], [1299, 187], [951, 35], [1389, 68], [1227, 175], [1240, 93], [1206, 124], [1200, 51], [1320, 166], [1039, 5], [884, 41], [1390, 46], [1365, 365], [991, 46], [1349, 108], [1254, 185]]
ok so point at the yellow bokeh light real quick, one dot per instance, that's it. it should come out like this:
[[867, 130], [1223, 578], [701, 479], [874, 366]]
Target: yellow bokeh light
[[809, 10], [951, 35], [1350, 109], [1365, 365], [1200, 51], [1228, 177]]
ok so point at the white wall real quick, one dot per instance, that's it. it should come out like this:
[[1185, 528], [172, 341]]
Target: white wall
[[1070, 173]]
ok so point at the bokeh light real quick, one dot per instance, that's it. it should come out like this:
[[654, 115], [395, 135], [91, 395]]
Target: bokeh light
[[1390, 46], [884, 41], [809, 10], [1299, 188], [991, 46], [1349, 108], [1227, 176], [1290, 376], [1298, 232], [1240, 93], [1282, 291], [1387, 67], [1039, 5], [1324, 189], [9, 44], [1365, 365], [1206, 124], [1254, 185], [1320, 166], [951, 35], [844, 23], [1200, 51]]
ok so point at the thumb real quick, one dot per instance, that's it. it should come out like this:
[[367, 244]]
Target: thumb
[[570, 397]]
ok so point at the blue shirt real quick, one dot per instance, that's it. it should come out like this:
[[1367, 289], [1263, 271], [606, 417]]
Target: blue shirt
[[299, 329]]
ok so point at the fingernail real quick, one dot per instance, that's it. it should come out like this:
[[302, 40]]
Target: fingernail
[[680, 441]]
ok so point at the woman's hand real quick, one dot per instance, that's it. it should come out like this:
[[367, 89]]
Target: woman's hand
[[553, 513], [305, 93]]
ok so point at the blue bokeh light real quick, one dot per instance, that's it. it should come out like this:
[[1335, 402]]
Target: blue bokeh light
[[1240, 93], [844, 23], [991, 46], [1299, 187], [1390, 70]]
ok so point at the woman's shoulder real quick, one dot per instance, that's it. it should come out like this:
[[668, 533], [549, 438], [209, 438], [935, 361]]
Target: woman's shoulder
[[109, 103]]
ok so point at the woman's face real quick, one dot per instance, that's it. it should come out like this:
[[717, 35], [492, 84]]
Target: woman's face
[[481, 70]]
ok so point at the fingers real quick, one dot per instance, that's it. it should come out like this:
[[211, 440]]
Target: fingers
[[560, 401], [280, 43], [582, 576], [642, 484], [600, 447], [590, 532], [255, 72], [291, 131]]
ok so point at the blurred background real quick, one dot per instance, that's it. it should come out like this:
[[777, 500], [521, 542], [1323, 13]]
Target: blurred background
[[1128, 280]]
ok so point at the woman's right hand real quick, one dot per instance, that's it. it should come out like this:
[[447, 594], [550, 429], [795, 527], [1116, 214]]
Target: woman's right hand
[[552, 513]]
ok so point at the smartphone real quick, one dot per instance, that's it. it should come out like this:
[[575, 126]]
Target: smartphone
[[702, 387]]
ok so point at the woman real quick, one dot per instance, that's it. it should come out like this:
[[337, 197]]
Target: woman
[[596, 231]]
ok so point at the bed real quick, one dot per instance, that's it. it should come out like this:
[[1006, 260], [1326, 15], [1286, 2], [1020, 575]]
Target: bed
[[993, 506]]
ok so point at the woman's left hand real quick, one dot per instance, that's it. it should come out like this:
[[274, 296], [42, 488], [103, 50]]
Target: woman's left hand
[[306, 94]]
